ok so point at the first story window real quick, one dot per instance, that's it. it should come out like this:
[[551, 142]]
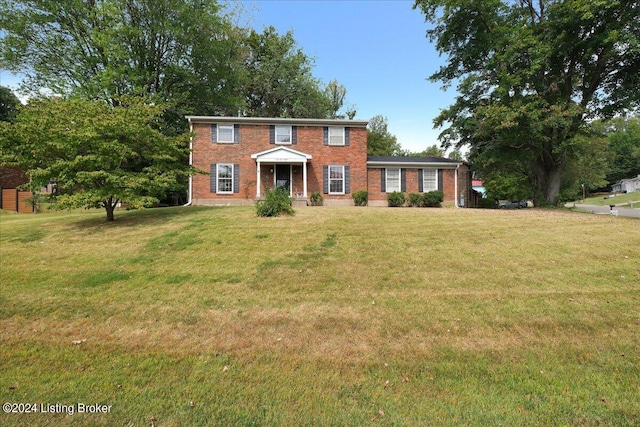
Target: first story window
[[429, 180], [336, 179], [225, 133], [283, 134], [392, 180], [224, 178]]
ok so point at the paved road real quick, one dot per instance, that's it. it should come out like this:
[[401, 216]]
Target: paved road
[[635, 213]]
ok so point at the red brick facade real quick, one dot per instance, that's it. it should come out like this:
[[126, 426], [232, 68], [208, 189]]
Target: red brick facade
[[253, 147], [254, 137]]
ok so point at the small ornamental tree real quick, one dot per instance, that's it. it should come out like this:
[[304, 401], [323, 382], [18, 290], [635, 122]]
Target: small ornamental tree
[[97, 154]]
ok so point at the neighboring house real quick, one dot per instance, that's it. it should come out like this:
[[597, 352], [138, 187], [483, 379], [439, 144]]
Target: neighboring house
[[245, 156], [630, 185]]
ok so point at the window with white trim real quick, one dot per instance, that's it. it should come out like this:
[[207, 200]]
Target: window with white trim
[[224, 177], [429, 180], [336, 179], [392, 180], [225, 133], [283, 134], [336, 135]]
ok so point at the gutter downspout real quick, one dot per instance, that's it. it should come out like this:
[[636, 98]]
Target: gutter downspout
[[455, 186], [190, 188]]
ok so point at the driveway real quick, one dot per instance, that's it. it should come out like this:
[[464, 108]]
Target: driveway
[[634, 213]]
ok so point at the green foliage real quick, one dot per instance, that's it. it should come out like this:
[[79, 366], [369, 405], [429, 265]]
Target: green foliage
[[120, 47], [8, 104], [277, 80], [624, 149], [432, 199], [530, 77], [98, 154], [414, 200], [360, 198], [185, 53], [486, 203], [395, 199], [380, 142], [316, 199], [276, 202]]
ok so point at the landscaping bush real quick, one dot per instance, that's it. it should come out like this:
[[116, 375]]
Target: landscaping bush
[[316, 199], [485, 203], [415, 199], [276, 202], [395, 199], [361, 198], [432, 199]]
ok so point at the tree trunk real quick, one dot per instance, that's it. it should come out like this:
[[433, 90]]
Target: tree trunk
[[548, 179], [109, 206]]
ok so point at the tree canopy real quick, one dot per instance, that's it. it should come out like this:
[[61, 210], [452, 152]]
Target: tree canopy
[[530, 76], [186, 54], [381, 142], [9, 103], [97, 154]]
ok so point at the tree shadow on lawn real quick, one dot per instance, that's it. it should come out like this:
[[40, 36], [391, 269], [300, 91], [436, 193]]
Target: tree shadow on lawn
[[133, 218]]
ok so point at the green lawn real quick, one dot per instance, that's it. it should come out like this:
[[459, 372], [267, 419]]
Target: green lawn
[[620, 199], [335, 316]]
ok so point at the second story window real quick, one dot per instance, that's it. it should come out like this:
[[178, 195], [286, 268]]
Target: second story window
[[225, 133], [336, 135], [283, 134]]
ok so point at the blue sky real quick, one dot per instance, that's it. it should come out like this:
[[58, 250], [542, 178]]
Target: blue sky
[[376, 48]]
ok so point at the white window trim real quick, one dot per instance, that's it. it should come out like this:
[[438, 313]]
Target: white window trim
[[330, 179], [276, 135], [218, 134], [218, 178], [424, 182], [386, 178], [342, 141]]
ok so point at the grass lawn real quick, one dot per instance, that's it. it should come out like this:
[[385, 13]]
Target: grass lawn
[[335, 316], [617, 200]]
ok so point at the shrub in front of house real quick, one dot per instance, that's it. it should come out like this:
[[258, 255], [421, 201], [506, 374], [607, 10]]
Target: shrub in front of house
[[276, 202], [395, 199], [316, 199], [361, 198], [414, 200], [432, 199]]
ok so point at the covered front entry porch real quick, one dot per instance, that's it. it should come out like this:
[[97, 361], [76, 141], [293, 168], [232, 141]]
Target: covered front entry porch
[[282, 167]]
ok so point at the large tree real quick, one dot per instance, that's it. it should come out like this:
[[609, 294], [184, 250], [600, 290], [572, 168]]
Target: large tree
[[531, 74], [381, 142], [179, 52], [9, 103], [624, 147], [98, 154], [278, 80]]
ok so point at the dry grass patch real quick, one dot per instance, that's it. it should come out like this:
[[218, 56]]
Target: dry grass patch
[[348, 316]]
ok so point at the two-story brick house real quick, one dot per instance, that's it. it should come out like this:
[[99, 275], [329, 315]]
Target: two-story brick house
[[245, 156]]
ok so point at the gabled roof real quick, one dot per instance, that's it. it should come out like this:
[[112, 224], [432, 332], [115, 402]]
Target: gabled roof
[[281, 155]]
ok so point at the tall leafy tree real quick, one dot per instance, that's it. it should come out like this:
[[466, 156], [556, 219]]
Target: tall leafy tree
[[179, 52], [624, 147], [9, 103], [278, 80], [98, 154], [531, 74], [381, 142]]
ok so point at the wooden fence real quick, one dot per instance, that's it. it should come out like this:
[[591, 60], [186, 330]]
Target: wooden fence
[[14, 200]]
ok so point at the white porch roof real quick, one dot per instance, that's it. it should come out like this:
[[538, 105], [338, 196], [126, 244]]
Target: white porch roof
[[281, 155]]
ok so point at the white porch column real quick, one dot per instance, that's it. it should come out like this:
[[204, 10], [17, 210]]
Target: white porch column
[[304, 179], [258, 179]]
